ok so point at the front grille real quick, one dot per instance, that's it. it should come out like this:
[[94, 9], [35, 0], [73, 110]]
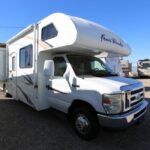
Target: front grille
[[133, 98], [136, 102], [136, 91]]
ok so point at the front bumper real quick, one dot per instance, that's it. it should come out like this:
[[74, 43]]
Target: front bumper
[[144, 73], [123, 120]]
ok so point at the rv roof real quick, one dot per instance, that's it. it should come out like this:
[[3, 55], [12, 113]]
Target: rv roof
[[79, 34]]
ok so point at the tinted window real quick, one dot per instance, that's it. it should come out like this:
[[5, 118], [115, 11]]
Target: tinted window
[[89, 65], [49, 32], [26, 57], [60, 66]]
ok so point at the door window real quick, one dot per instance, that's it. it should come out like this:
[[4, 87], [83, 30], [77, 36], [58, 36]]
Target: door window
[[60, 66]]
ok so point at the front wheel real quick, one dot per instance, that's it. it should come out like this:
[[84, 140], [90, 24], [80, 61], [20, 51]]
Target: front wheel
[[85, 123]]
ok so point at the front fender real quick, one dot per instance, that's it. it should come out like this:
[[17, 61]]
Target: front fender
[[93, 98]]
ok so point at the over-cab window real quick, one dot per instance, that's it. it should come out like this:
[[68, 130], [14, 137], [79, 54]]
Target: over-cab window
[[60, 66], [26, 57], [49, 32]]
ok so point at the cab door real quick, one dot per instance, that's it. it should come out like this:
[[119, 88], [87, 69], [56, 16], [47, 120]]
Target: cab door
[[59, 86]]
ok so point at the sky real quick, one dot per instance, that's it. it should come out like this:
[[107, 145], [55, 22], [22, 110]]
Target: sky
[[130, 19]]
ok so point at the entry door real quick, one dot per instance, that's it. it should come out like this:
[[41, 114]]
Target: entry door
[[13, 75]]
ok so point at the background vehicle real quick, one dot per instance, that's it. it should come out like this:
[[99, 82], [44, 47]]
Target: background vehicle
[[3, 65], [143, 68], [126, 67]]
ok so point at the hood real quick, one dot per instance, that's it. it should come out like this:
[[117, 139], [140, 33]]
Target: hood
[[109, 84]]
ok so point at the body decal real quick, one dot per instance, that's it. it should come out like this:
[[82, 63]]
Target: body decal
[[26, 96], [50, 88], [28, 80]]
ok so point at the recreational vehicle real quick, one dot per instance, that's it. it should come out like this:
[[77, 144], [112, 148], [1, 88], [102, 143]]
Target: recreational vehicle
[[143, 68], [3, 64], [52, 64], [126, 67]]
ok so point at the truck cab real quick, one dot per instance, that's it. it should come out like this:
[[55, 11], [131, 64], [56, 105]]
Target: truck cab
[[85, 88]]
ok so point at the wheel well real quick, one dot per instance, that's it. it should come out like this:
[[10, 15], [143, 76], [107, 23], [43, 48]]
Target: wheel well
[[80, 103]]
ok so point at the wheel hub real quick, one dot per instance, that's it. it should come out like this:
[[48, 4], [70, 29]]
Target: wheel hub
[[82, 124]]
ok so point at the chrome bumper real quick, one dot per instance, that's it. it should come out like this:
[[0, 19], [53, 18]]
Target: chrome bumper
[[123, 120]]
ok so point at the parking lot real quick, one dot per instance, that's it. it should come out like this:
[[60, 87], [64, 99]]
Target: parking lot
[[22, 128]]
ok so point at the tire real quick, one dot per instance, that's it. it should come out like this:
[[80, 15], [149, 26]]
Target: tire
[[6, 94], [4, 90], [85, 123]]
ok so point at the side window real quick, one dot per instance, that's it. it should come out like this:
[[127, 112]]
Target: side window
[[26, 57], [49, 32], [13, 63], [60, 66]]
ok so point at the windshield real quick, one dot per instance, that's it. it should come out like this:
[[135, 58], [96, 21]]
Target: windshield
[[146, 65], [89, 66]]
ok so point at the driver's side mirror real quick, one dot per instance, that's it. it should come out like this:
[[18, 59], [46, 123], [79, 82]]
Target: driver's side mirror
[[48, 68]]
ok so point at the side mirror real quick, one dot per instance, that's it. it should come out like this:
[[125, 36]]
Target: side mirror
[[48, 68]]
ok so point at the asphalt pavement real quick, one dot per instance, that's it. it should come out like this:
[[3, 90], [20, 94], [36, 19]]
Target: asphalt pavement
[[22, 128]]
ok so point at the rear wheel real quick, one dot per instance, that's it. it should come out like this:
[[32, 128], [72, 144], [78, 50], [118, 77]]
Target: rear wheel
[[85, 123], [6, 94]]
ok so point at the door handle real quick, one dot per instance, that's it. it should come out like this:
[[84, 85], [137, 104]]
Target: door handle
[[75, 85]]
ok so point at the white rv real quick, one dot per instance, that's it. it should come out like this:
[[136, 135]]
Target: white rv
[[52, 64]]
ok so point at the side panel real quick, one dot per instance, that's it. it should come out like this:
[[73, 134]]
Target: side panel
[[23, 77]]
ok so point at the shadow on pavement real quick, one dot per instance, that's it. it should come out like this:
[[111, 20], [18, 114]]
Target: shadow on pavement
[[23, 128]]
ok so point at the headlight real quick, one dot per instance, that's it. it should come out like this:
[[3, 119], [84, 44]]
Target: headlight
[[112, 103]]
